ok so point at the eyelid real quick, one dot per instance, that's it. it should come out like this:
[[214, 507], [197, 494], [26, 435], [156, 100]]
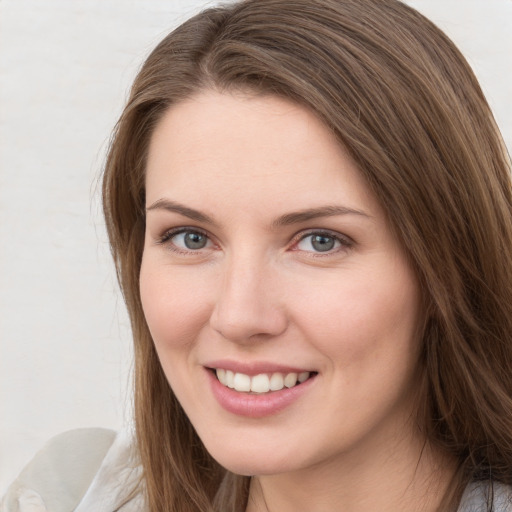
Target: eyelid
[[167, 235], [345, 241]]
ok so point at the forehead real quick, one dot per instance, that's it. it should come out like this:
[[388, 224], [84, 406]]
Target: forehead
[[240, 145], [223, 123]]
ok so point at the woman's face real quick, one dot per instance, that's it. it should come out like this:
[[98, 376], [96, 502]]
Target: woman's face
[[268, 261]]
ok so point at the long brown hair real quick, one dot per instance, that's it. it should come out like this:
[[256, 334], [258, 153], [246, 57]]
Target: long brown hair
[[403, 101]]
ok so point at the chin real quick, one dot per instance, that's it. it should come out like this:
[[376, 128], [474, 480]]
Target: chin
[[253, 462], [245, 468]]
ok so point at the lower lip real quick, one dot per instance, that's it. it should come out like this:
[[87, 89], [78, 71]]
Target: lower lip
[[256, 405]]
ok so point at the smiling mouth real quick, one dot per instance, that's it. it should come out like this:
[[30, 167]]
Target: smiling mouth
[[261, 383]]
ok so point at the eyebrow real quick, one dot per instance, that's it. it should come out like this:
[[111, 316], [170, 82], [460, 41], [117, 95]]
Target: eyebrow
[[313, 213], [284, 220], [172, 206]]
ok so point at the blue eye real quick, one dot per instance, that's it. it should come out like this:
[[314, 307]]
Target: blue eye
[[188, 240], [318, 242]]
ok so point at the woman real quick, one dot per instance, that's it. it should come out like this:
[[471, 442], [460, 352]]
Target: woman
[[309, 207]]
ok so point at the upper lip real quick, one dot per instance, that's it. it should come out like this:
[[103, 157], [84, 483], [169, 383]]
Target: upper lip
[[255, 367]]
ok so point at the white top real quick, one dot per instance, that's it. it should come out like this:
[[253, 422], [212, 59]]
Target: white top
[[96, 470], [82, 470]]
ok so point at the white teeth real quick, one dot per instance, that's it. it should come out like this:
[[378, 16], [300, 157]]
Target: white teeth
[[242, 382], [261, 383], [290, 380], [221, 375], [276, 382], [303, 377], [230, 377]]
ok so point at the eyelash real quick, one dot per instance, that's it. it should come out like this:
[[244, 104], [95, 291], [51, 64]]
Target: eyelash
[[344, 241], [166, 238]]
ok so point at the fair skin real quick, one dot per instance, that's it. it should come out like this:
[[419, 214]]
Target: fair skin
[[266, 254]]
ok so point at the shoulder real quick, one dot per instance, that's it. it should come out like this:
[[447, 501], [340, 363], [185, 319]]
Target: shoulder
[[478, 494], [61, 475]]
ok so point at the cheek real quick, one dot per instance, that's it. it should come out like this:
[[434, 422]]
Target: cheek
[[175, 307], [366, 322]]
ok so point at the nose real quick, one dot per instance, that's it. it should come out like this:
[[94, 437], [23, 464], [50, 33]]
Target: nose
[[248, 302]]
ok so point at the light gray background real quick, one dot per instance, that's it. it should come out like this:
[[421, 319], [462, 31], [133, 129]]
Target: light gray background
[[65, 68]]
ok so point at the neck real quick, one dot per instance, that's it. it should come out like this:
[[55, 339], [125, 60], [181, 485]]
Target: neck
[[405, 476]]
